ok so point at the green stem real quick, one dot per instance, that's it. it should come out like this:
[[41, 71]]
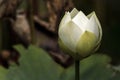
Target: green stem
[[31, 21], [77, 69]]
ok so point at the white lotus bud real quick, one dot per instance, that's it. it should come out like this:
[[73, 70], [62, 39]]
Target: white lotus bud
[[79, 35]]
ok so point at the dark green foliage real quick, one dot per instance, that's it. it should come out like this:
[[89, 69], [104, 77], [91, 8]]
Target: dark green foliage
[[36, 64]]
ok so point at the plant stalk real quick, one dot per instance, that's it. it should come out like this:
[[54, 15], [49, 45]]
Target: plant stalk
[[31, 21], [77, 69]]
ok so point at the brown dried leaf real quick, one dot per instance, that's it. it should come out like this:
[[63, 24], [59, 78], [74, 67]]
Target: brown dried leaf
[[21, 27]]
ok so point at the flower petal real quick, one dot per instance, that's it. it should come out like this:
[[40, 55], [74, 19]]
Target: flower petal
[[93, 26], [70, 34], [89, 15], [74, 12], [86, 43], [66, 18], [65, 48], [81, 20], [99, 27]]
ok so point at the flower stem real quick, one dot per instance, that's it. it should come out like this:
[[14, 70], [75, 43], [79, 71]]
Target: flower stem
[[77, 69]]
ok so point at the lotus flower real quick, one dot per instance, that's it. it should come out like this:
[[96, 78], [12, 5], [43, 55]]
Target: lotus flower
[[79, 35]]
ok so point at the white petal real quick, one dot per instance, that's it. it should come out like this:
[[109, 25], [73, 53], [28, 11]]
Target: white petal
[[89, 15], [74, 12], [70, 34], [81, 20], [93, 25], [66, 18], [99, 27]]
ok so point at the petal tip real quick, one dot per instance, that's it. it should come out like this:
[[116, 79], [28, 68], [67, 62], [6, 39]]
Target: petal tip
[[74, 10], [91, 14]]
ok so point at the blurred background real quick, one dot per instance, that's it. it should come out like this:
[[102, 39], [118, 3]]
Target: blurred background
[[36, 22]]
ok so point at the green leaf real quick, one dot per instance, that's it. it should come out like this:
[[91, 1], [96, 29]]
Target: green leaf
[[3, 73], [116, 74], [35, 64], [94, 67]]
